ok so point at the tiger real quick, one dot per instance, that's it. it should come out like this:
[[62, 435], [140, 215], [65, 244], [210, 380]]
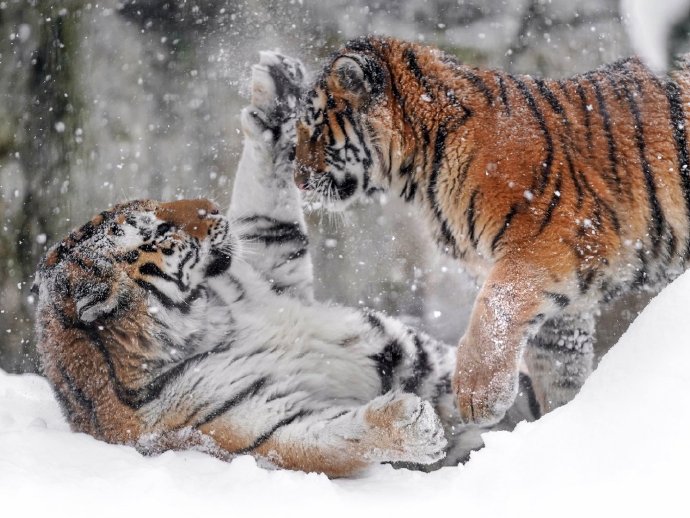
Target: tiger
[[558, 195], [157, 331]]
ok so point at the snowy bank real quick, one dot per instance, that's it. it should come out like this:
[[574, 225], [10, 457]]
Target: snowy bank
[[621, 447]]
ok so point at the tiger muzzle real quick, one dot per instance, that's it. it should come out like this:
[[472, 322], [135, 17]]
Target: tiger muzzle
[[302, 175]]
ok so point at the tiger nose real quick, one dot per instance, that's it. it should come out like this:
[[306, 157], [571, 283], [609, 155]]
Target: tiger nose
[[302, 174]]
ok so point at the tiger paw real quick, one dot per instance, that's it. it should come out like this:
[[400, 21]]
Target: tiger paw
[[277, 83], [404, 428], [484, 396]]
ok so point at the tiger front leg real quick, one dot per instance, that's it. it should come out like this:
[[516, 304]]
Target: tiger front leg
[[266, 205], [394, 427], [516, 298]]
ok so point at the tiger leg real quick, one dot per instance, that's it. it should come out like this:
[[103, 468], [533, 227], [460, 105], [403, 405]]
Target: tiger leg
[[266, 204], [515, 299], [559, 359], [394, 427]]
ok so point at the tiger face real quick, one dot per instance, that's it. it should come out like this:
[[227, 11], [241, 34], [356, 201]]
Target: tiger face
[[344, 131], [140, 247]]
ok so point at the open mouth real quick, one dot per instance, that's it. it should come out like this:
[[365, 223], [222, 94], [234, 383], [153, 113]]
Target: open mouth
[[303, 176]]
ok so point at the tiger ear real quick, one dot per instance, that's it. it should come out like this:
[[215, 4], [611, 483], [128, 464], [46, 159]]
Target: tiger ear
[[349, 78]]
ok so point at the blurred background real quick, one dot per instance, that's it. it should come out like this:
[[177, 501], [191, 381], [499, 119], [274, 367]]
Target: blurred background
[[113, 100]]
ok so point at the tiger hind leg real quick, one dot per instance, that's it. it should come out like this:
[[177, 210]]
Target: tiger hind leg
[[394, 427], [559, 359]]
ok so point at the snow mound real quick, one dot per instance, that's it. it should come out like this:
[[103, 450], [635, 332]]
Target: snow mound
[[621, 447]]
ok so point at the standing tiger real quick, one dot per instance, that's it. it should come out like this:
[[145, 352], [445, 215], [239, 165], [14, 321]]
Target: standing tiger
[[560, 195], [154, 332]]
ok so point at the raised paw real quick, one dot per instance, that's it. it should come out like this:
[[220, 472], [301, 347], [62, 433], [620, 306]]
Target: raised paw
[[277, 83], [405, 428]]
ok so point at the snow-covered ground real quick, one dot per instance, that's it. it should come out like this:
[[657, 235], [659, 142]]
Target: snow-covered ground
[[619, 449]]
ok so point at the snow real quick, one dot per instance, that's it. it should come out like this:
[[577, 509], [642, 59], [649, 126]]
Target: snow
[[649, 25], [620, 448]]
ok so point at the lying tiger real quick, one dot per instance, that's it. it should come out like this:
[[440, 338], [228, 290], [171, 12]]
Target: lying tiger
[[559, 195], [156, 332]]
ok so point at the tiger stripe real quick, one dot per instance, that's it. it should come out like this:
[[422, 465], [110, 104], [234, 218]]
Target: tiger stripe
[[678, 122]]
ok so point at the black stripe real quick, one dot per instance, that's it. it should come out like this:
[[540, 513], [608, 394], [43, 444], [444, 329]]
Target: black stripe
[[642, 277], [386, 362], [420, 369], [166, 301], [678, 123], [506, 223], [657, 223], [561, 300], [183, 307], [367, 160], [612, 178], [68, 409], [300, 252], [527, 388], [153, 270], [81, 398], [477, 82], [555, 200], [279, 232], [548, 161], [585, 113], [193, 253], [576, 182], [503, 92], [235, 400], [267, 434], [550, 97], [410, 188], [413, 65], [471, 218], [599, 202], [439, 149], [374, 321]]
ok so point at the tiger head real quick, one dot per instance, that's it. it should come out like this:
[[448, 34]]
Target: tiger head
[[137, 248], [344, 128]]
